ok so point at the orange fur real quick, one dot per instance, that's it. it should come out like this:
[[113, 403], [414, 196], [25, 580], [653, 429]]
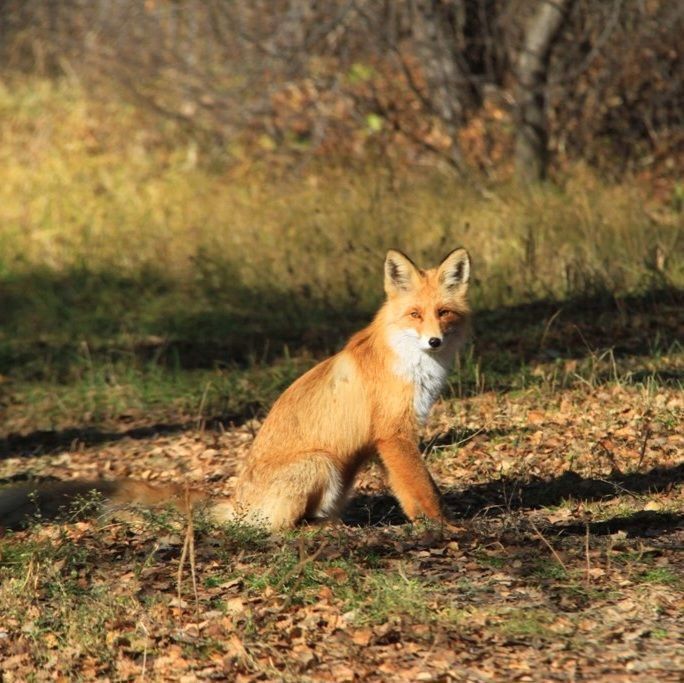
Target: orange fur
[[358, 403], [368, 399]]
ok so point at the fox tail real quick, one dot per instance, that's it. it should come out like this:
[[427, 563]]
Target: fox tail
[[21, 504]]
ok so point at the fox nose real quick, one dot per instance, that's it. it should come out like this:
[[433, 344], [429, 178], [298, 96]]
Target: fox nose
[[435, 342]]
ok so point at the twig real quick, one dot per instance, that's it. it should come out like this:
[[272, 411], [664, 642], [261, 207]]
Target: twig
[[143, 671], [455, 443], [549, 546], [300, 565], [188, 549], [586, 551], [547, 327], [200, 410], [595, 50], [647, 434], [619, 488], [611, 457]]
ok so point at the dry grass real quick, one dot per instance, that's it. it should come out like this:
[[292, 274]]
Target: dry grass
[[95, 186], [129, 255]]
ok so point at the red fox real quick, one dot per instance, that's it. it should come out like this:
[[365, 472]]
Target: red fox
[[369, 399]]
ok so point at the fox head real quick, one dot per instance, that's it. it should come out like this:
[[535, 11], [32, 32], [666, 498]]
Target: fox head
[[427, 309]]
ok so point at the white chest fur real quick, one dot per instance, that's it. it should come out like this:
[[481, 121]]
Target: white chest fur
[[426, 370]]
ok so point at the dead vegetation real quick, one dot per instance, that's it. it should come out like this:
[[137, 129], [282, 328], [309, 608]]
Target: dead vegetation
[[564, 562]]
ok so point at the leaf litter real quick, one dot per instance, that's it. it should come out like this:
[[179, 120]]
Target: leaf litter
[[563, 562]]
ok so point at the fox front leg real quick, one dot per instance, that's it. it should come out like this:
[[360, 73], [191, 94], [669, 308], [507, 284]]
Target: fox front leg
[[409, 479]]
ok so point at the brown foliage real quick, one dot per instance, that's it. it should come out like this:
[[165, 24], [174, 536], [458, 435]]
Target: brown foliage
[[349, 79]]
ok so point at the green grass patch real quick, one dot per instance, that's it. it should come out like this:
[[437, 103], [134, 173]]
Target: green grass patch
[[98, 391], [661, 575], [549, 570], [490, 560], [524, 623], [387, 595]]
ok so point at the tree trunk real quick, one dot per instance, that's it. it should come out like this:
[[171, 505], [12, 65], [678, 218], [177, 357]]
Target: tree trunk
[[531, 143]]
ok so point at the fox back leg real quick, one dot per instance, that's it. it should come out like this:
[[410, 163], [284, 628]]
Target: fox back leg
[[310, 488]]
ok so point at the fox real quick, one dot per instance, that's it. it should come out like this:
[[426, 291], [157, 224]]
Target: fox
[[370, 399]]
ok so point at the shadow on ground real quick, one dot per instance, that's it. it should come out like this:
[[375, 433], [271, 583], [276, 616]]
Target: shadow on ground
[[48, 318], [52, 441], [508, 495]]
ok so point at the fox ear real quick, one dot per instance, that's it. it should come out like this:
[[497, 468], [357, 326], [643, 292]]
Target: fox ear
[[401, 274], [454, 271]]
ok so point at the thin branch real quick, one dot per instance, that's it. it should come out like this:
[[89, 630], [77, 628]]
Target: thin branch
[[586, 552], [188, 551], [548, 545], [647, 434], [595, 50], [305, 559]]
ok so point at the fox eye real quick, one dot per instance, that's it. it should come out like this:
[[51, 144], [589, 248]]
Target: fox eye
[[443, 312], [415, 314]]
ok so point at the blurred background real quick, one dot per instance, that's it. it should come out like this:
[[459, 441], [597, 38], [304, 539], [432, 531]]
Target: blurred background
[[191, 188]]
